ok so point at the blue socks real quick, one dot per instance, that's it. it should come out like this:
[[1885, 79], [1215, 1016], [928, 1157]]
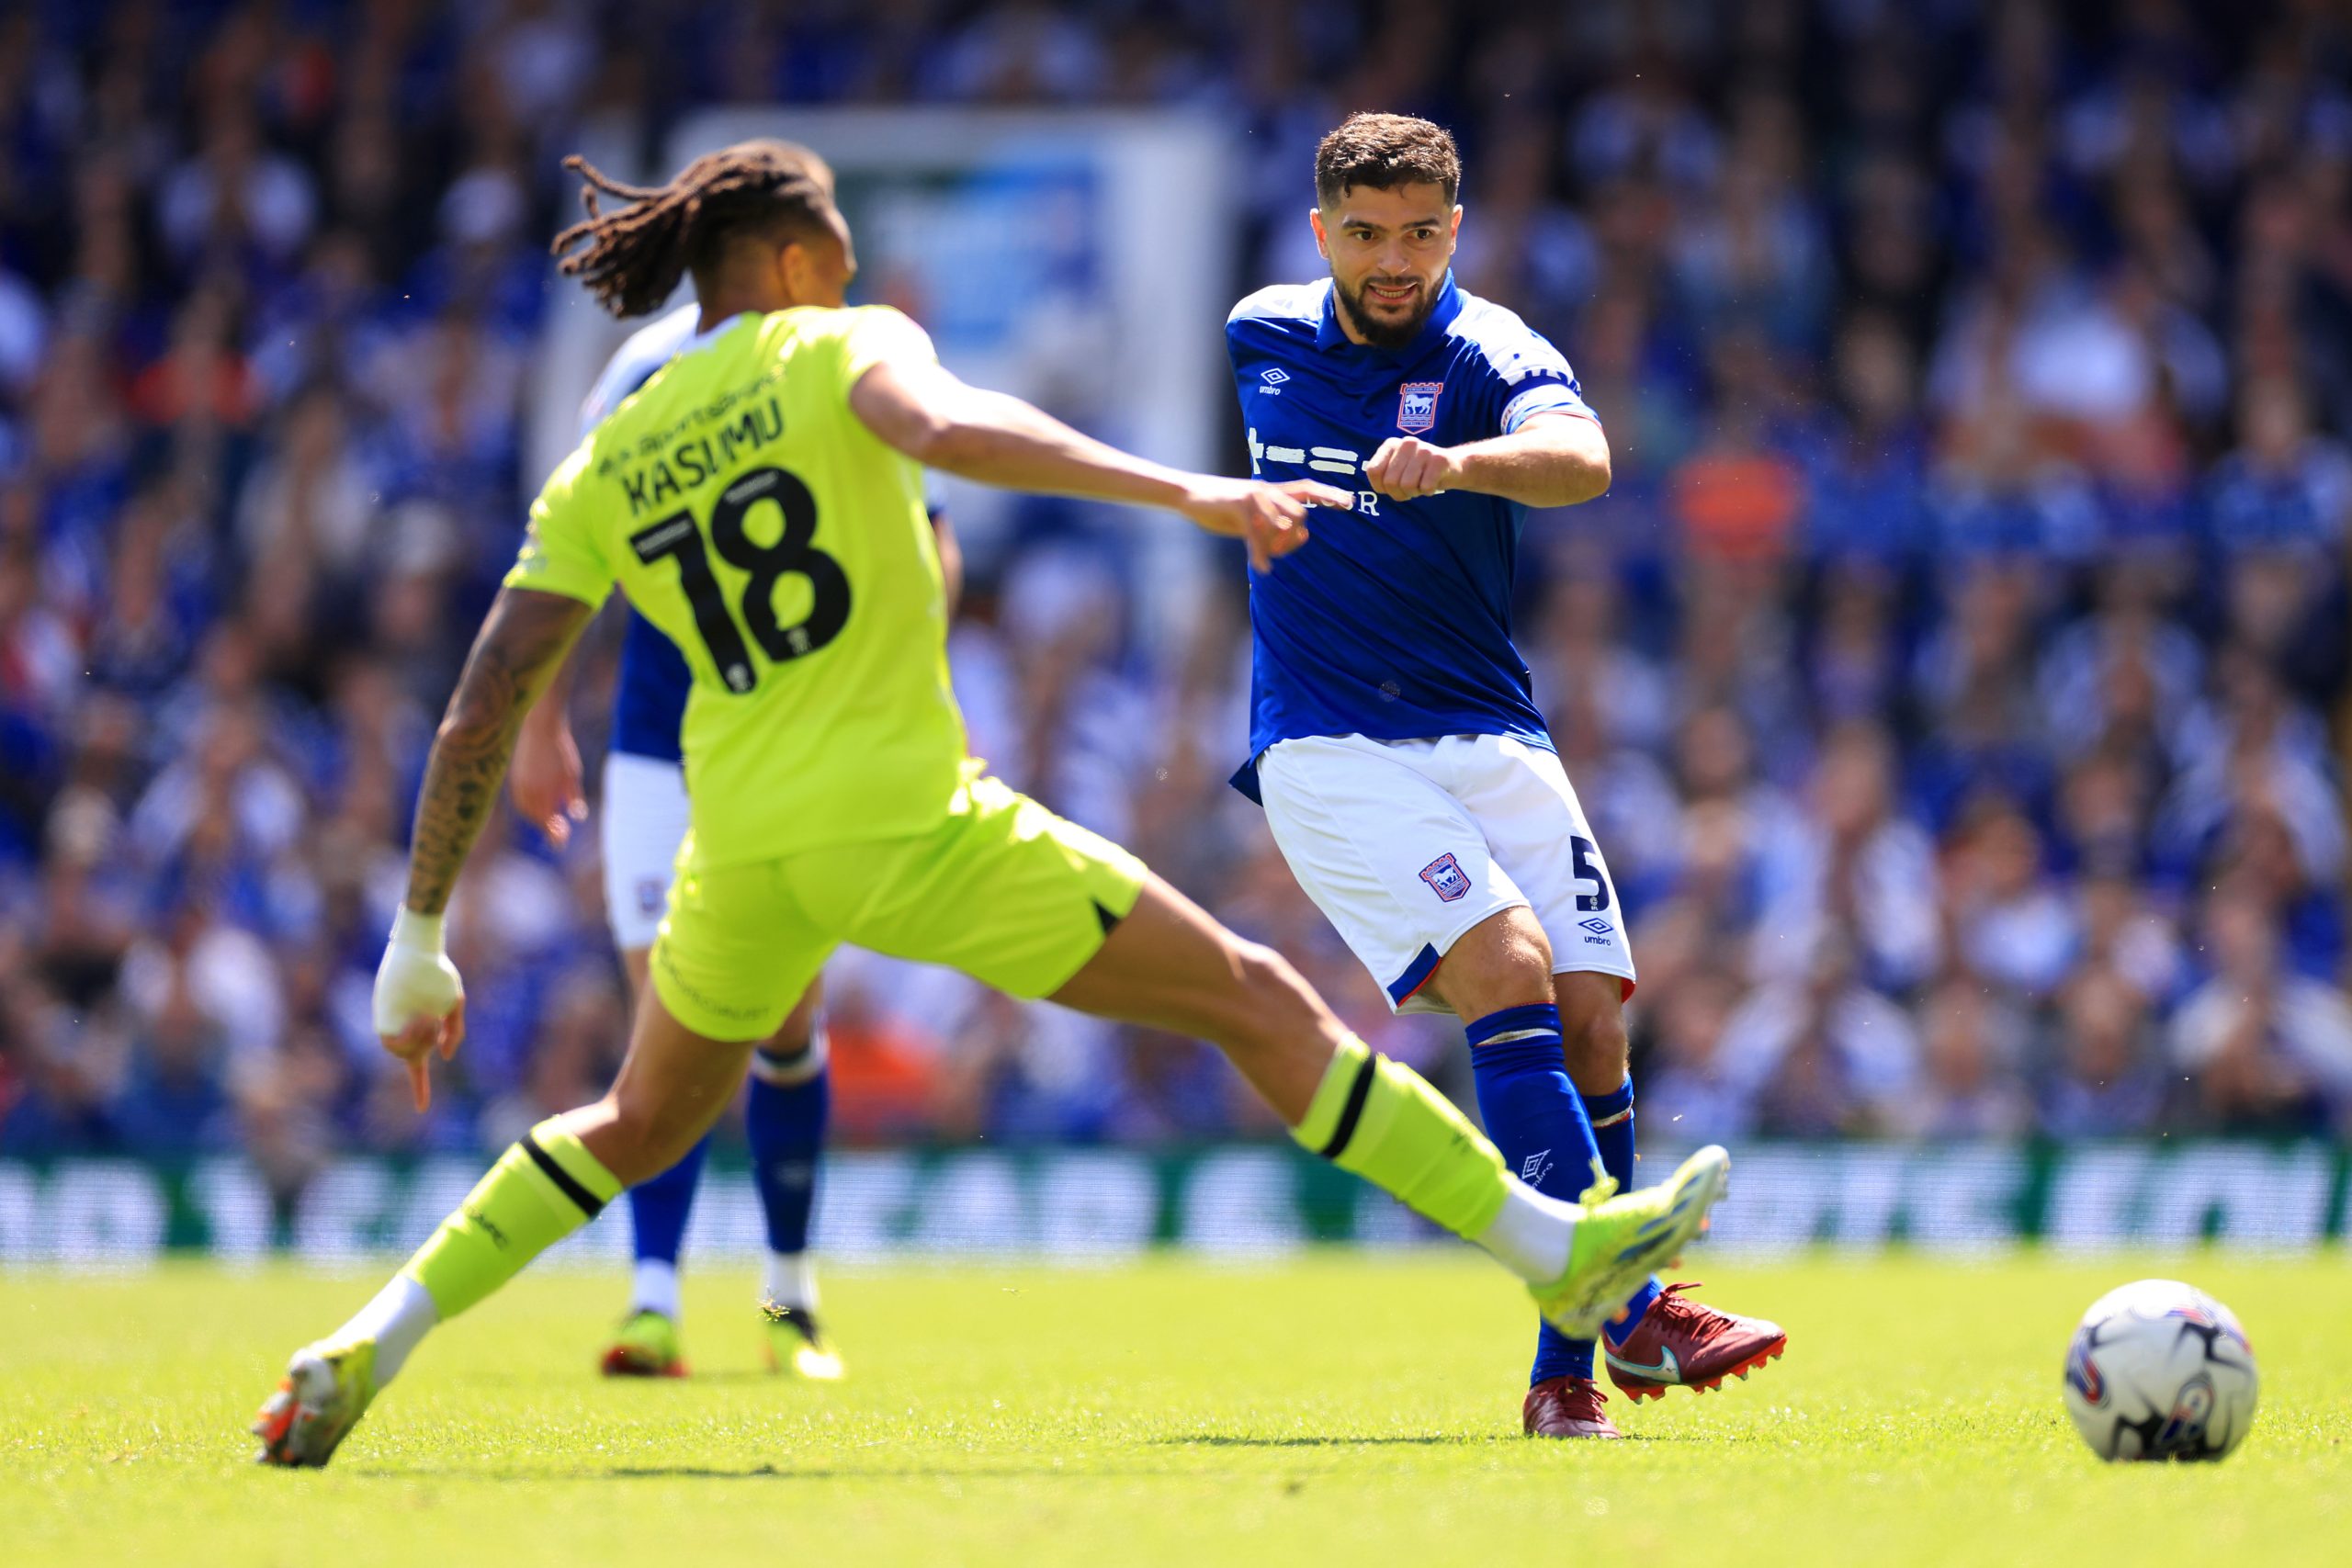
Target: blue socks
[[791, 1098], [1536, 1119], [785, 1118], [1611, 1117], [657, 1221], [658, 1209]]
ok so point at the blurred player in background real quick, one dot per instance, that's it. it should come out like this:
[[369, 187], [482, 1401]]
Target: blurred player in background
[[761, 501], [1407, 774], [645, 818]]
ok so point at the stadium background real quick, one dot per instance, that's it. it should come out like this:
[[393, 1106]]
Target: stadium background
[[1956, 674]]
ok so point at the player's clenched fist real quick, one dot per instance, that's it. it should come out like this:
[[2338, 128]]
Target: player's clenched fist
[[1407, 469], [420, 1002]]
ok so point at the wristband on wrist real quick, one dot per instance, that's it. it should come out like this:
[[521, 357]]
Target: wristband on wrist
[[412, 930]]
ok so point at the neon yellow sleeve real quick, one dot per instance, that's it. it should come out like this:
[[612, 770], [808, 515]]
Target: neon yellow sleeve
[[560, 552], [879, 332]]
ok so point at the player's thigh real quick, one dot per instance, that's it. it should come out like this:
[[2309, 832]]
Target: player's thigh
[[1504, 961], [1171, 965], [1396, 865], [737, 952], [643, 821], [1536, 828], [1003, 890]]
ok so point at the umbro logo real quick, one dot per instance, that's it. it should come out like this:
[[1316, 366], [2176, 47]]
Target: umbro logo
[[1535, 1168], [1273, 375], [1596, 926]]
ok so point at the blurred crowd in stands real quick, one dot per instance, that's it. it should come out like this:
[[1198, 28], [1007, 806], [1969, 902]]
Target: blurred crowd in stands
[[1955, 675]]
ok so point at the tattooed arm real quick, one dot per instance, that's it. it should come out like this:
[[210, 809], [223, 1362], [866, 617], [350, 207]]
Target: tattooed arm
[[420, 999], [517, 652]]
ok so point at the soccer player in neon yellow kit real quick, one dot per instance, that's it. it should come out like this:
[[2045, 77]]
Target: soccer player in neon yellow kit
[[760, 500]]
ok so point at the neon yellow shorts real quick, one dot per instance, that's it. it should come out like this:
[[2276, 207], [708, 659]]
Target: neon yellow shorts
[[1003, 890]]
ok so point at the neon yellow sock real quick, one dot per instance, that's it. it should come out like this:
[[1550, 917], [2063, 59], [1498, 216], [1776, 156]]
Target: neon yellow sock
[[1382, 1121], [540, 1191]]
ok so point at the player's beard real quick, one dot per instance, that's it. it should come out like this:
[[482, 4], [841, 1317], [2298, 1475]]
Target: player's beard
[[1375, 330]]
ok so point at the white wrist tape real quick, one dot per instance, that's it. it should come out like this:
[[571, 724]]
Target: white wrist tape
[[417, 979]]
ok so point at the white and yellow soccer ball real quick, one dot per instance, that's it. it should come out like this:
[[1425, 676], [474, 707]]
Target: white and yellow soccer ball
[[2160, 1370]]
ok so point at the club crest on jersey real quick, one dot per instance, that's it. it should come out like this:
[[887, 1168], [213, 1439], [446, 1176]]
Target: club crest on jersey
[[1417, 406], [1446, 878], [652, 895]]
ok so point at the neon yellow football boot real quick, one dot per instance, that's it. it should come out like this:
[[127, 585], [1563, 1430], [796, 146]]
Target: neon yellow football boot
[[797, 1346], [646, 1346], [327, 1387], [1622, 1240]]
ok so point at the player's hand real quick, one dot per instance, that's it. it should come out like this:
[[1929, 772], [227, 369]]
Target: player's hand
[[543, 779], [1271, 519], [420, 1003], [1405, 467]]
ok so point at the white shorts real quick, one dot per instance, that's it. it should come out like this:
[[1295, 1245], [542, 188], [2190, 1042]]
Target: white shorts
[[1407, 844], [645, 820]]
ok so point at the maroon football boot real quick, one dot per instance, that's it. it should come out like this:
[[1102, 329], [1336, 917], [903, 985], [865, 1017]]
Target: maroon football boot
[[1681, 1343], [1567, 1407]]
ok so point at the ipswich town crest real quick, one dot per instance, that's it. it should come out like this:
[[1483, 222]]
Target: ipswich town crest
[[1446, 878], [1417, 406]]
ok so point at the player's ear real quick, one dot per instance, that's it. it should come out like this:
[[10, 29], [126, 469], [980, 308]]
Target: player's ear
[[793, 265], [1322, 240], [1454, 235]]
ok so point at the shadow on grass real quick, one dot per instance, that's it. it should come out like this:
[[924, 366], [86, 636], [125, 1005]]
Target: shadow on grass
[[1080, 1465], [458, 1473], [1428, 1440]]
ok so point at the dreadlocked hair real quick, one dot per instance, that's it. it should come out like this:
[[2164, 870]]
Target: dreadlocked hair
[[636, 253]]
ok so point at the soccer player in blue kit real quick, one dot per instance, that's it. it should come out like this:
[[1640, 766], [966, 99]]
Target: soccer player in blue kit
[[644, 818], [1405, 772]]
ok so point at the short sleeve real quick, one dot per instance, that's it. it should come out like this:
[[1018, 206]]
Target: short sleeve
[[882, 333], [1548, 397], [1527, 373], [560, 554]]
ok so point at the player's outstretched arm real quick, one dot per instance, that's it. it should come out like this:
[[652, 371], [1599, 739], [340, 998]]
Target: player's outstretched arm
[[996, 439], [1554, 459], [420, 1003]]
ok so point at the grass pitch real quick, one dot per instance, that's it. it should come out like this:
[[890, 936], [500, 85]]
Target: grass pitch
[[1337, 1409]]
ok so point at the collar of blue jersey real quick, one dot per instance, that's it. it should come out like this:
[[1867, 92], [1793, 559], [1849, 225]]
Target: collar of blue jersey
[[1330, 334]]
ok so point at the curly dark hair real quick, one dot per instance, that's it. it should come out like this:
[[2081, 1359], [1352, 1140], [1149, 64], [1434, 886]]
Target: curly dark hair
[[636, 253], [1383, 151]]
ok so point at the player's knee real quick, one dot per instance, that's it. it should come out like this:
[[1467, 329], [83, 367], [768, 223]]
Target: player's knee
[[1272, 998], [644, 1137], [1504, 961], [1596, 1048]]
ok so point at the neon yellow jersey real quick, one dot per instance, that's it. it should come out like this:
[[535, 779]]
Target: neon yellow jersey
[[750, 516]]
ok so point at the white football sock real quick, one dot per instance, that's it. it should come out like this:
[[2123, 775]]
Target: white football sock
[[653, 1286], [791, 1280], [1530, 1236], [400, 1315]]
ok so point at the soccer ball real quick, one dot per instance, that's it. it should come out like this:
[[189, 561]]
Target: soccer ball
[[2159, 1370]]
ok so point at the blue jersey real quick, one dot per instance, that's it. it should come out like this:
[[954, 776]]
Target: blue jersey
[[1394, 621], [650, 693]]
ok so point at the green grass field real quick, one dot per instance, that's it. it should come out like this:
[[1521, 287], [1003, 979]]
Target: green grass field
[[1340, 1409]]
